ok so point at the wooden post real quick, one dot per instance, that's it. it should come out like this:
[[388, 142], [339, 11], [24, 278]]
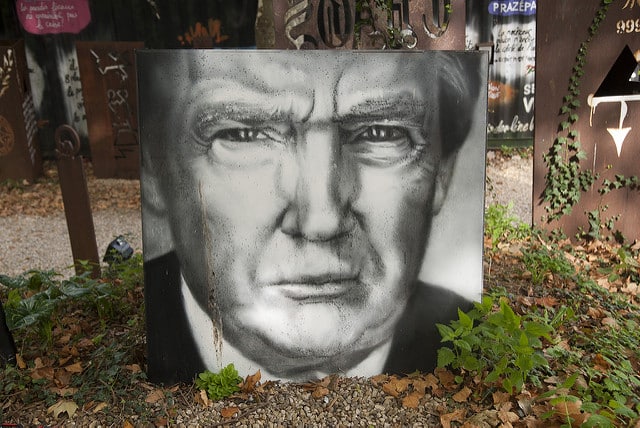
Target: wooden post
[[75, 196]]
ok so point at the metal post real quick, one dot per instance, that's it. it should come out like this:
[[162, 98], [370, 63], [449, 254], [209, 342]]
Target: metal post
[[75, 196]]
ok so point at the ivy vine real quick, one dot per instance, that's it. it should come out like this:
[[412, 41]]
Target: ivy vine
[[565, 179]]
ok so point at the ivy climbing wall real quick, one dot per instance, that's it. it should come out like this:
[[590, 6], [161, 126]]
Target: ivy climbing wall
[[587, 136]]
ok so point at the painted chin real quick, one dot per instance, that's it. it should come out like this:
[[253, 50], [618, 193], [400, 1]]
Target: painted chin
[[313, 329]]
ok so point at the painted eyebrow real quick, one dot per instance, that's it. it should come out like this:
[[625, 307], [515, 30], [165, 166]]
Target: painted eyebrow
[[252, 113], [396, 109], [252, 102]]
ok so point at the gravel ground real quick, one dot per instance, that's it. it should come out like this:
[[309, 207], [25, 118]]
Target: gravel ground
[[511, 181], [36, 242]]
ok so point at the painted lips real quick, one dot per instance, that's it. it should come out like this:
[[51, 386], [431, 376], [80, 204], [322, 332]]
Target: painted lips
[[317, 289]]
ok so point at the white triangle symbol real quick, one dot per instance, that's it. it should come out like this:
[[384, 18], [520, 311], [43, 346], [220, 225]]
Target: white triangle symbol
[[618, 134]]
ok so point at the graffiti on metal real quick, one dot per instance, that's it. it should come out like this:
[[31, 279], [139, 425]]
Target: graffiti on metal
[[337, 24], [109, 88], [5, 71]]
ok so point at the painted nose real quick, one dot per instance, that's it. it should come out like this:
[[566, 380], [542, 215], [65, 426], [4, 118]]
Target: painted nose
[[320, 204]]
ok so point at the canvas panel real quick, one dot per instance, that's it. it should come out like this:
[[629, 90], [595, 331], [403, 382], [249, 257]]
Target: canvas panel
[[310, 212]]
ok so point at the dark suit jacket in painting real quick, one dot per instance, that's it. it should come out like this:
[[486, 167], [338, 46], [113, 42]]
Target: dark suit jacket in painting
[[172, 354], [7, 345]]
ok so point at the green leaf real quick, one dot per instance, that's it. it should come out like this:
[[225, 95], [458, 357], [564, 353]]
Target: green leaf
[[493, 376], [471, 363], [445, 357], [621, 409], [462, 344], [510, 317], [465, 320], [597, 421], [446, 332], [524, 340], [537, 329]]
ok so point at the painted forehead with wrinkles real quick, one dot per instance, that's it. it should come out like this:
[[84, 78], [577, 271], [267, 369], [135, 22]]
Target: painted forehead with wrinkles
[[246, 88]]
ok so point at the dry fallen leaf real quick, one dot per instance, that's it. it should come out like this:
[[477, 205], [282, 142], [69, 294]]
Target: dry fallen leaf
[[43, 373], [395, 386], [101, 406], [38, 363], [571, 409], [62, 378], [127, 424], [483, 419], [500, 397], [154, 396], [462, 395], [250, 382], [412, 401], [64, 339], [595, 312], [74, 368], [457, 416], [63, 406], [547, 302], [447, 379], [85, 343], [229, 412], [379, 379], [320, 392], [203, 398], [64, 391], [20, 362], [432, 381], [600, 363], [508, 417], [133, 368]]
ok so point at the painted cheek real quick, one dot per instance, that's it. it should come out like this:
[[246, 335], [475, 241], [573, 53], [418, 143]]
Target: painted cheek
[[243, 208], [394, 205]]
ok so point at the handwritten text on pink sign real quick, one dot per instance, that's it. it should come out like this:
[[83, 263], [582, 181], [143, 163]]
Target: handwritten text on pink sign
[[53, 16]]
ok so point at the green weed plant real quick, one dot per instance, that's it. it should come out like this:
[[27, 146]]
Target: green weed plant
[[500, 346], [219, 385], [501, 225], [542, 260]]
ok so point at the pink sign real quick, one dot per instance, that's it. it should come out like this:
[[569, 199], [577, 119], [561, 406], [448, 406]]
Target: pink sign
[[53, 16]]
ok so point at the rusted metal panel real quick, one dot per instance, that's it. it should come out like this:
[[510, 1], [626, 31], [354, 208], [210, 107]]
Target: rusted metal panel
[[19, 149], [107, 72], [75, 196], [336, 24], [561, 28]]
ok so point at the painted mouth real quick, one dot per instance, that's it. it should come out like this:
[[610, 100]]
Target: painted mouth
[[317, 288]]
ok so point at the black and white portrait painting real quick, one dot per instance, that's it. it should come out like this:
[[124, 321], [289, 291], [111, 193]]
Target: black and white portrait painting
[[308, 212]]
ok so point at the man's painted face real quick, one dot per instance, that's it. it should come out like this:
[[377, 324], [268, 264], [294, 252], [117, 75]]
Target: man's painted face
[[303, 197]]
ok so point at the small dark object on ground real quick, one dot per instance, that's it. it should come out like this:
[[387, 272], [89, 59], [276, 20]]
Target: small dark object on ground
[[118, 250]]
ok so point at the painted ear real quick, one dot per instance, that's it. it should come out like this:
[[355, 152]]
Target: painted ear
[[150, 191], [443, 180], [156, 235]]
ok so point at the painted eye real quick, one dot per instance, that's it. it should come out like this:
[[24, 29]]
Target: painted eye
[[382, 133], [383, 145], [241, 135]]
